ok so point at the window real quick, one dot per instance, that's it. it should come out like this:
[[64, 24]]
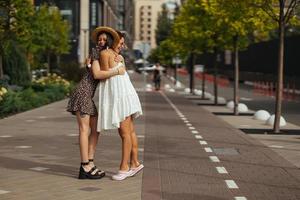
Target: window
[[142, 13], [149, 20], [142, 38], [149, 25], [149, 32], [149, 7], [149, 13], [149, 38]]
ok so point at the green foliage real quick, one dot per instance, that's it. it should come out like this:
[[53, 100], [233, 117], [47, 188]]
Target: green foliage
[[164, 25], [37, 33], [72, 71], [47, 90], [15, 65]]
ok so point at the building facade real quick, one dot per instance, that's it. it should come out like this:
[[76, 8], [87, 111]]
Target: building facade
[[84, 16], [146, 14]]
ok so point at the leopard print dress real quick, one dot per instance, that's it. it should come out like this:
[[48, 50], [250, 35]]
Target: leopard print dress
[[81, 99]]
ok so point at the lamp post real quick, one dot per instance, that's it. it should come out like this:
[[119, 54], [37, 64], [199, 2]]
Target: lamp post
[[85, 30]]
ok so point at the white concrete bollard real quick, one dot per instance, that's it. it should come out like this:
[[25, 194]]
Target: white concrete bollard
[[178, 84], [207, 95], [167, 86], [171, 90], [198, 92], [242, 107], [261, 115], [230, 105], [271, 121], [148, 86], [187, 90], [221, 100]]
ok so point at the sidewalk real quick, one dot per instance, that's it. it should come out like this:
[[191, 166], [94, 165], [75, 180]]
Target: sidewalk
[[188, 154]]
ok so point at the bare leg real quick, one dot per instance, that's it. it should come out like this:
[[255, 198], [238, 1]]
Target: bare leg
[[124, 132], [93, 138], [84, 129], [134, 161]]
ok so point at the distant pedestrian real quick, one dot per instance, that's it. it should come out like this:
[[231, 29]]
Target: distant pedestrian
[[157, 76]]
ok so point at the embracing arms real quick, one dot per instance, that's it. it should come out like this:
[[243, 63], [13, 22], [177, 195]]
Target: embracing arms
[[101, 71]]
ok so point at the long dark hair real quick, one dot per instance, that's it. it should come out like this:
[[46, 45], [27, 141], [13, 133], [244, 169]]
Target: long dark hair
[[109, 39]]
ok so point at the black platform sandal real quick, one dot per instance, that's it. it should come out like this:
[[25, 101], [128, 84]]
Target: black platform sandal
[[88, 175], [100, 172]]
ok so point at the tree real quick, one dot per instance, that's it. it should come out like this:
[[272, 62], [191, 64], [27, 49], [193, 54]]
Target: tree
[[164, 25], [282, 12], [243, 23], [15, 31], [51, 33], [188, 35]]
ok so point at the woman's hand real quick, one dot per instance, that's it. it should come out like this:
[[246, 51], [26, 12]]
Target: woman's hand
[[122, 70], [118, 58]]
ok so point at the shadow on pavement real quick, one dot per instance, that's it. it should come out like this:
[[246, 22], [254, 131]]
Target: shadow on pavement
[[270, 131], [232, 114]]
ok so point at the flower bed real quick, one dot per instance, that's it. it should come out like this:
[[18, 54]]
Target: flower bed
[[42, 91]]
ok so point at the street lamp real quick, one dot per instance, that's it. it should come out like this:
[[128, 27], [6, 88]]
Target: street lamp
[[85, 30]]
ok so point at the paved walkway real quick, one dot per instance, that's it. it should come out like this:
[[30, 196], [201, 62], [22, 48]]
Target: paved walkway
[[189, 153]]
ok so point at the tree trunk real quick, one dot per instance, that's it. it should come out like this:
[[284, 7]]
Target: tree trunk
[[216, 77], [48, 62], [192, 84], [1, 67], [236, 76], [58, 60], [203, 83], [279, 87], [175, 75]]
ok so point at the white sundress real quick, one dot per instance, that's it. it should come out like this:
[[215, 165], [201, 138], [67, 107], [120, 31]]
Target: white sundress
[[117, 100]]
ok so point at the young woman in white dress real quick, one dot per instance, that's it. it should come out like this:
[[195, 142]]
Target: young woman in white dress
[[119, 104]]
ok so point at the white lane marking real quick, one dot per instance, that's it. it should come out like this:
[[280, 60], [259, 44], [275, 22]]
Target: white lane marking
[[141, 149], [188, 124], [195, 132], [276, 146], [214, 158], [183, 118], [198, 137], [5, 136], [192, 128], [245, 125], [245, 99], [73, 135], [42, 117], [30, 120], [231, 184], [240, 198], [39, 168], [202, 142], [140, 136], [221, 170], [23, 147], [186, 121], [4, 191], [208, 150]]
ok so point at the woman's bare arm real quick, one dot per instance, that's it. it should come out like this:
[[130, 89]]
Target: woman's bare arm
[[100, 72]]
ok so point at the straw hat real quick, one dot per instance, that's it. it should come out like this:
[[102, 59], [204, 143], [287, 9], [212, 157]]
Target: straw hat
[[106, 29]]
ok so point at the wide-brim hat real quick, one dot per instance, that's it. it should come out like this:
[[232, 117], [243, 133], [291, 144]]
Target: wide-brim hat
[[105, 29]]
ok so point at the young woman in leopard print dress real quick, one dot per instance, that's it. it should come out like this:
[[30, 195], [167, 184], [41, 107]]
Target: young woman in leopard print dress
[[82, 105]]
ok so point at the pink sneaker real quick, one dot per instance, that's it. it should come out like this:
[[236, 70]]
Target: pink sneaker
[[121, 175], [136, 170]]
